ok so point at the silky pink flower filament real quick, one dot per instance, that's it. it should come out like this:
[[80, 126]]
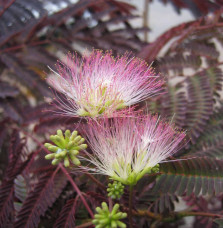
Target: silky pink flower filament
[[99, 84], [130, 146]]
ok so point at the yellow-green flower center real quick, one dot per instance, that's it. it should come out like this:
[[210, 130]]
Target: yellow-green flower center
[[124, 172], [99, 101]]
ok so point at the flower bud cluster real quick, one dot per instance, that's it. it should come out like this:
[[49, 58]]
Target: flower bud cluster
[[115, 190], [66, 147], [109, 219], [155, 169]]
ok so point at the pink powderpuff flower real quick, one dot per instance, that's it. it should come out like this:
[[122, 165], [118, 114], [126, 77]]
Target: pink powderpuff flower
[[127, 148], [100, 85]]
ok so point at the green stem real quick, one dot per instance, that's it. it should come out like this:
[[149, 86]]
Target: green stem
[[110, 204], [130, 206], [198, 213], [174, 216], [87, 224]]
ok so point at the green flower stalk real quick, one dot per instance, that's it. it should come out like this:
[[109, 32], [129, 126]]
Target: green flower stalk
[[109, 219], [66, 147], [115, 190]]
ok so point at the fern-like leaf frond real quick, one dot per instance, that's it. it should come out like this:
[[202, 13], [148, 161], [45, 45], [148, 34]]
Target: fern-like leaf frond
[[67, 215], [191, 176], [45, 192]]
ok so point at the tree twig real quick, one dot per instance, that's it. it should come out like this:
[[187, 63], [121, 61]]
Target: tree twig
[[130, 206]]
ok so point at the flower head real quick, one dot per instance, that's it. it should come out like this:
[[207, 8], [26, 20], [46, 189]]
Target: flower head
[[99, 84], [127, 148]]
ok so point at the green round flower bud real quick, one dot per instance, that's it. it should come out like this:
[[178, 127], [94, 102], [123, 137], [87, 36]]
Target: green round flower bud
[[115, 190], [105, 218], [155, 169], [66, 147]]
